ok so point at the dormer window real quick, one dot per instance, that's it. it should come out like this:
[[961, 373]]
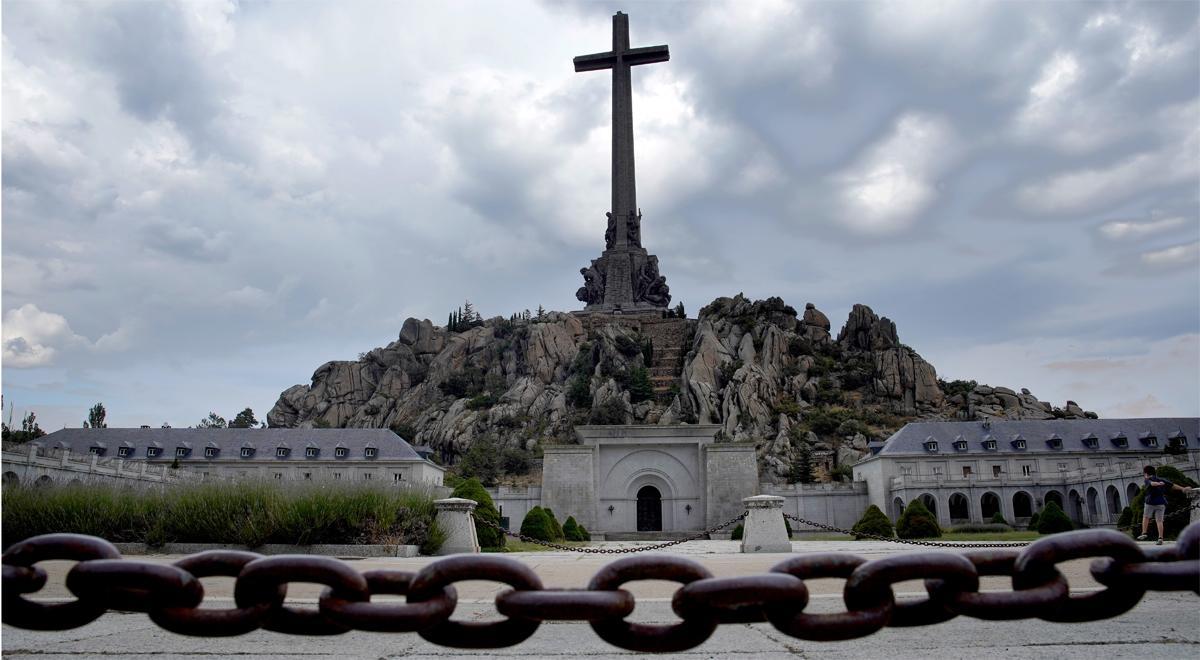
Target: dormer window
[[1177, 440], [340, 452], [1120, 441], [1054, 442], [1091, 441], [311, 452], [122, 452], [1149, 439], [181, 452], [247, 452], [1018, 442], [96, 450], [931, 445], [989, 443], [151, 452], [369, 452], [210, 452], [960, 445], [281, 452]]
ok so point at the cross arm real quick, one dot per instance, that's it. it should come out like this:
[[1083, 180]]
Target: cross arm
[[646, 55], [595, 62]]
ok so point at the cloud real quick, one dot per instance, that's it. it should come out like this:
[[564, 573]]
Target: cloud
[[1136, 230], [896, 179], [32, 338]]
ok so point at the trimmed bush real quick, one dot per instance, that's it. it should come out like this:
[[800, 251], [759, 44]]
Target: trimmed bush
[[1033, 521], [485, 509], [1125, 521], [1053, 520], [1176, 501], [247, 513], [536, 525], [737, 533], [573, 531], [557, 528], [873, 521], [998, 519], [917, 522]]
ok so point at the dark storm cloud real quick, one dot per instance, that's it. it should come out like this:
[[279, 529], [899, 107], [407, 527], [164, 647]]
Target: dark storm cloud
[[250, 190]]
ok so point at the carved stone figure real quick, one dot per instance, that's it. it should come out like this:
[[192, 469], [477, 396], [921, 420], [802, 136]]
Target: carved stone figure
[[633, 229], [650, 287], [610, 234], [592, 291]]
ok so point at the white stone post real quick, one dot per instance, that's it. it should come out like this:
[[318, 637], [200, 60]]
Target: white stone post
[[1193, 499], [456, 519], [764, 529]]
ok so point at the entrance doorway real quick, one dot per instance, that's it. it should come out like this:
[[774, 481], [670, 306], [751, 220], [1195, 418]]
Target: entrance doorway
[[649, 510]]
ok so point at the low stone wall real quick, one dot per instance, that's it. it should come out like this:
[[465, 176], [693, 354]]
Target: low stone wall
[[330, 549], [840, 505], [30, 465], [514, 503]]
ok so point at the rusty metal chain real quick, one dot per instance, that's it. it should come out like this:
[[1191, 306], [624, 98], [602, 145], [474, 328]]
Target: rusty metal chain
[[609, 551], [172, 594]]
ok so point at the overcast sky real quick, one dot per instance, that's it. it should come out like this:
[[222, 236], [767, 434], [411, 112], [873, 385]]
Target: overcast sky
[[203, 202]]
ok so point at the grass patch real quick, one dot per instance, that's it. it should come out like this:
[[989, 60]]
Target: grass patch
[[517, 545], [245, 513], [947, 536]]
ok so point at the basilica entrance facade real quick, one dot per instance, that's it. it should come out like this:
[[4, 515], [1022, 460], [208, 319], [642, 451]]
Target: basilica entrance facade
[[667, 478]]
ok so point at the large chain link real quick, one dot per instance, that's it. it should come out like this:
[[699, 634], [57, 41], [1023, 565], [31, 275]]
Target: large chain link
[[102, 580], [610, 551]]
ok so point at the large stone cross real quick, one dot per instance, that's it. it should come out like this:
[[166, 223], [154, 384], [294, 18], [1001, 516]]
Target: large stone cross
[[620, 59]]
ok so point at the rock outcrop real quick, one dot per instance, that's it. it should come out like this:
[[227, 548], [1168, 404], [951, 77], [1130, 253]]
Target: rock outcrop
[[764, 373]]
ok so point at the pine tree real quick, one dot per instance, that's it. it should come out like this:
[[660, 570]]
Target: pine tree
[[96, 415], [802, 469], [468, 313], [541, 313]]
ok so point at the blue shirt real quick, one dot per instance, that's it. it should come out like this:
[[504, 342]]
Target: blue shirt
[[1157, 494]]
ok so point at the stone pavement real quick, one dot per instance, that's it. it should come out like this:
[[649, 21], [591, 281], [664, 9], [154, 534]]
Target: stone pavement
[[1164, 625]]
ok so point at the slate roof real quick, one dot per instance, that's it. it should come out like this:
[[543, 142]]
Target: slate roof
[[229, 442], [911, 439]]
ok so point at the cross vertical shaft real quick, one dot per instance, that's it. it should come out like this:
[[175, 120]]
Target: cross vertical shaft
[[624, 186]]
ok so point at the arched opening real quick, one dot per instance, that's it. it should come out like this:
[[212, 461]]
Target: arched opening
[[930, 503], [960, 510], [1022, 505], [1131, 492], [43, 481], [649, 509], [1075, 508], [898, 508], [1056, 497], [1114, 501], [1093, 504], [989, 505], [11, 479]]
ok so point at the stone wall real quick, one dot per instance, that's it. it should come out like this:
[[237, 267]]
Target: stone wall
[[732, 474], [568, 482], [23, 465], [514, 503], [835, 504]]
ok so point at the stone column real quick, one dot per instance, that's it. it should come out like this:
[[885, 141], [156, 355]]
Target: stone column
[[764, 529], [1193, 500], [456, 519]]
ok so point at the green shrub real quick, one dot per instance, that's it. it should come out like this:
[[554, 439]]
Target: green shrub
[[1033, 521], [640, 388], [482, 401], [1052, 520], [243, 513], [612, 411], [536, 525], [584, 535], [1176, 501], [737, 533], [1125, 521], [485, 509], [981, 528], [916, 522], [559, 535], [572, 531], [873, 521], [998, 518]]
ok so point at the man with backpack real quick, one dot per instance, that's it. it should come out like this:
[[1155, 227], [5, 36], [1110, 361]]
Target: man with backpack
[[1155, 505]]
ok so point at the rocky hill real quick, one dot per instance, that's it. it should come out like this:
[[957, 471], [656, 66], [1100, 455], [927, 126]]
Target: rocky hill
[[766, 373]]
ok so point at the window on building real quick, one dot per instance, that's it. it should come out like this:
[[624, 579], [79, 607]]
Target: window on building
[[1121, 441], [96, 451], [311, 452], [1054, 442], [281, 452], [1101, 467], [960, 445], [151, 452], [1026, 470], [396, 476], [367, 475], [279, 475], [180, 452], [989, 445], [937, 470], [996, 470], [246, 452], [122, 451], [966, 470], [1091, 442], [1151, 441], [1019, 443], [931, 445], [1062, 467], [369, 452], [308, 475], [337, 475], [905, 469], [340, 452], [206, 476], [209, 452]]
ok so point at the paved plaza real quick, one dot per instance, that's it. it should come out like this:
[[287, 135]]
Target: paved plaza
[[1163, 625]]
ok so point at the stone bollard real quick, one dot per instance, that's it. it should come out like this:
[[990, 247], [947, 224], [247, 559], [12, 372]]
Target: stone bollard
[[764, 529], [1193, 500], [455, 517]]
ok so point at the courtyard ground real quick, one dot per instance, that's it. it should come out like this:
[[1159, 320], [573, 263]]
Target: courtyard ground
[[1163, 625]]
